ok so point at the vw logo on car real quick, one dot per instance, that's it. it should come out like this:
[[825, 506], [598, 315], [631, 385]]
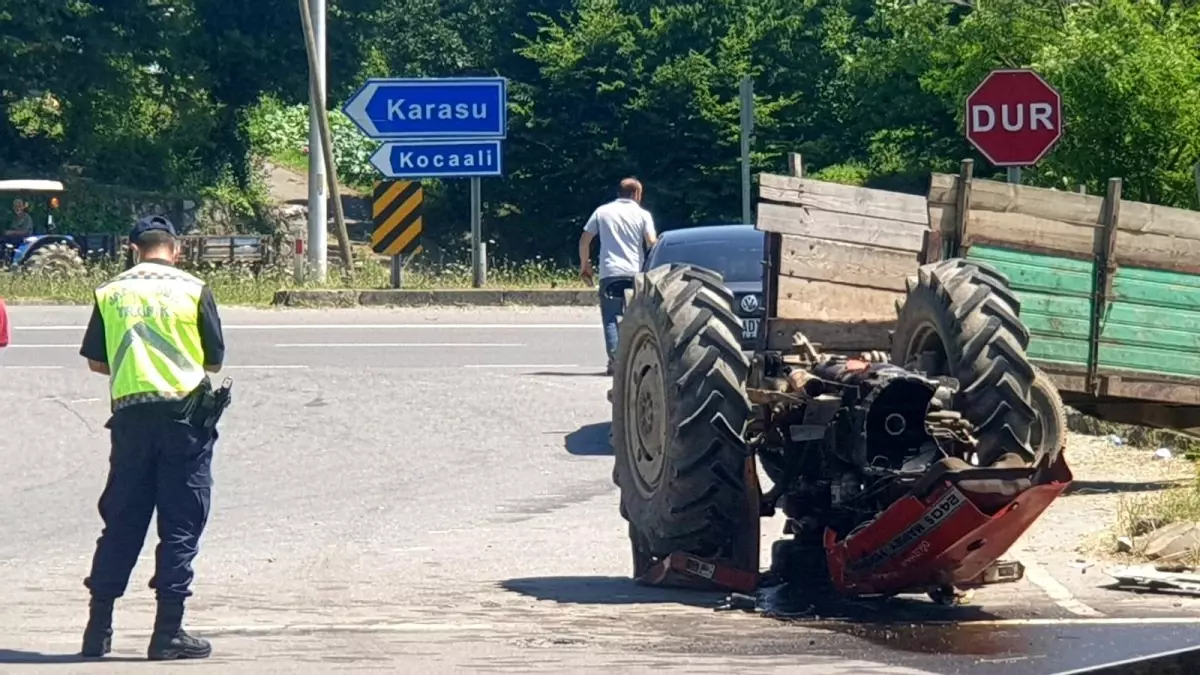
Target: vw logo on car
[[749, 303]]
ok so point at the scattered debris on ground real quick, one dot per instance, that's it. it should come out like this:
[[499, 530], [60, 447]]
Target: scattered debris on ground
[[1168, 443], [1170, 578], [1119, 492]]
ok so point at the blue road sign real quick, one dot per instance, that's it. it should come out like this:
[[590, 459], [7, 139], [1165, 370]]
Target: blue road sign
[[410, 109], [439, 159]]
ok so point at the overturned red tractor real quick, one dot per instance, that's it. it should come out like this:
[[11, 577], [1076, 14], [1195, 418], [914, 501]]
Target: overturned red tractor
[[901, 472]]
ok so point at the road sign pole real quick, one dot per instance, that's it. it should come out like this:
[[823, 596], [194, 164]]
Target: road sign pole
[[746, 91], [317, 213], [1014, 174], [1196, 172], [478, 272], [398, 271]]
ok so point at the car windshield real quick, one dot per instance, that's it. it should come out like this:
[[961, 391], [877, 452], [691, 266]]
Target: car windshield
[[737, 262]]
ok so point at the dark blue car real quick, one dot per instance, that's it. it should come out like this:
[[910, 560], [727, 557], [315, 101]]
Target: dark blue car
[[733, 251]]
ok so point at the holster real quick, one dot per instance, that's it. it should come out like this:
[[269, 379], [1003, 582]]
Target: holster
[[204, 407]]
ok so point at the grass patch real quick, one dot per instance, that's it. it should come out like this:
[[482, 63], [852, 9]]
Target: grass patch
[[239, 287], [1139, 516]]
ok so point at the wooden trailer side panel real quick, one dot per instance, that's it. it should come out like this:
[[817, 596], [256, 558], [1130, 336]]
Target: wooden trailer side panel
[[1110, 289], [843, 255]]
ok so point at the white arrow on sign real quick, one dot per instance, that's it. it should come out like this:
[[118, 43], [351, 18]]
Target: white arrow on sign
[[356, 109], [462, 107], [439, 159]]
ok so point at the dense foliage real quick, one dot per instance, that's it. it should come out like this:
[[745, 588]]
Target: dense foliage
[[180, 94]]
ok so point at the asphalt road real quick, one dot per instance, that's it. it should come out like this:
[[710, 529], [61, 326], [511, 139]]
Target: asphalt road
[[430, 491]]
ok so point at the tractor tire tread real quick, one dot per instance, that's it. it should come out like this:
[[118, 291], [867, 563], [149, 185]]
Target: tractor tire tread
[[976, 316], [700, 496]]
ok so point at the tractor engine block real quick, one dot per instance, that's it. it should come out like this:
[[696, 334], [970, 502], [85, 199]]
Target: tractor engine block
[[855, 437]]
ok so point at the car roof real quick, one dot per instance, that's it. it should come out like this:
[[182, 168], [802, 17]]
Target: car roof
[[30, 185], [712, 234]]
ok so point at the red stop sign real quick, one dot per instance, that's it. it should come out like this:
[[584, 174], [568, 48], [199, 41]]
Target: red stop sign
[[1014, 117]]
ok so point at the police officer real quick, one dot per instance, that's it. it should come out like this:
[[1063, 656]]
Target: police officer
[[155, 332]]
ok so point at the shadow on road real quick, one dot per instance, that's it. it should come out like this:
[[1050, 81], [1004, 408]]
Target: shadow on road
[[19, 657], [590, 441], [789, 603], [1107, 486], [606, 591], [806, 604]]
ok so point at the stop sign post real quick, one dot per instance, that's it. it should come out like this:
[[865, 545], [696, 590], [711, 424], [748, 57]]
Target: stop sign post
[[1014, 118]]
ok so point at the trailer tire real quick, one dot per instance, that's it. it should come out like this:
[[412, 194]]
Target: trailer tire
[[679, 413], [1048, 435], [960, 319]]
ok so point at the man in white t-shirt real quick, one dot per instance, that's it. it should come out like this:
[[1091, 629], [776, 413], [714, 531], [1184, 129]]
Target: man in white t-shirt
[[626, 232]]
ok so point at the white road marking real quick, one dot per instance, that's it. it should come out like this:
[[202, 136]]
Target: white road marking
[[85, 400], [394, 627], [1099, 621], [1061, 595], [364, 326], [517, 365], [317, 345], [248, 367], [1115, 667], [273, 367]]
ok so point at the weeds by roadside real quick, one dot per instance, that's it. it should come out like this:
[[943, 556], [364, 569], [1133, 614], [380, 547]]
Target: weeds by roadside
[[240, 287], [1138, 517]]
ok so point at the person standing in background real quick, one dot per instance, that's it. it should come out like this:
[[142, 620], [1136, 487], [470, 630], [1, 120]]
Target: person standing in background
[[626, 231]]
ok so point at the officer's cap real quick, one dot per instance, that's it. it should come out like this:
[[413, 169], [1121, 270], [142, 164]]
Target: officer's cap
[[151, 224]]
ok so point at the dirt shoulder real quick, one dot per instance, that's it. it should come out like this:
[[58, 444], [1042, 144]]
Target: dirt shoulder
[[1075, 540]]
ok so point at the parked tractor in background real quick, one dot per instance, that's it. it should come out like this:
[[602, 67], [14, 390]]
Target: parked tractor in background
[[42, 249], [50, 249]]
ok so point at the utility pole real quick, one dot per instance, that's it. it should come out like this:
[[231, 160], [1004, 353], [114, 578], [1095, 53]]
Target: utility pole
[[1196, 173], [746, 92], [317, 208]]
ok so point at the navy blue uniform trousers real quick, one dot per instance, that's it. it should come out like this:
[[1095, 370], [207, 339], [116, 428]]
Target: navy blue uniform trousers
[[157, 462]]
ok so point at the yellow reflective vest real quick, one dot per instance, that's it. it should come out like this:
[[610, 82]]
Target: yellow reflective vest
[[151, 334]]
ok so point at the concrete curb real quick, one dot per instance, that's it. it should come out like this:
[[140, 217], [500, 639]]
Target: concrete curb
[[441, 297]]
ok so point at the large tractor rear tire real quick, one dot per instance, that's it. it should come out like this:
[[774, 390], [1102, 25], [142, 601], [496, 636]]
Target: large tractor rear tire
[[961, 320], [55, 261], [679, 411]]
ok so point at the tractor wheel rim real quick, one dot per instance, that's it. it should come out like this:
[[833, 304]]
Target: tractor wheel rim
[[927, 352], [645, 410]]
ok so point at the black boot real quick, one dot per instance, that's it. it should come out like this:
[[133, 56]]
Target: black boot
[[170, 641], [97, 637]]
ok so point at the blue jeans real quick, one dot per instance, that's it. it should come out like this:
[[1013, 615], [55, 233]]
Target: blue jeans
[[612, 307]]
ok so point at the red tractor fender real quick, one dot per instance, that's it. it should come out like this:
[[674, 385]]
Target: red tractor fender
[[946, 532]]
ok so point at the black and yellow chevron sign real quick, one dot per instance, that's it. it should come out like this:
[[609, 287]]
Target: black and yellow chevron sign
[[397, 207]]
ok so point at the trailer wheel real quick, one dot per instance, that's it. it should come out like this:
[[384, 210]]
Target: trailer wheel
[[961, 320], [56, 261], [679, 411], [1048, 435]]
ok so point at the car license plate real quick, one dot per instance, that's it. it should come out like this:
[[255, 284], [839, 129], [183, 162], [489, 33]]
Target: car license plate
[[750, 329]]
